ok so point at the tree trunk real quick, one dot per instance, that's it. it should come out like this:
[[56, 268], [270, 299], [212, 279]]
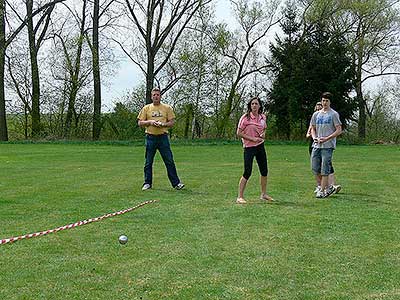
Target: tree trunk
[[26, 118], [35, 72], [227, 110], [149, 77], [68, 118], [188, 117], [358, 85], [74, 71], [362, 118], [3, 119], [96, 74]]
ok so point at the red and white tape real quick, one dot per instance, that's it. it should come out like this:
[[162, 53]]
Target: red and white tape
[[76, 224]]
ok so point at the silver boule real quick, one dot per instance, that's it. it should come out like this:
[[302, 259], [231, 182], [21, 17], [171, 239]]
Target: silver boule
[[123, 239]]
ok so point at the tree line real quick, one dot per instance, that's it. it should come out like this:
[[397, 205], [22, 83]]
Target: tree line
[[54, 55]]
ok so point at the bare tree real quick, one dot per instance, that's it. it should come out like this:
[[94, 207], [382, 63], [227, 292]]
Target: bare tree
[[255, 22], [157, 22], [73, 66], [5, 39], [191, 69], [18, 80], [36, 35], [100, 9]]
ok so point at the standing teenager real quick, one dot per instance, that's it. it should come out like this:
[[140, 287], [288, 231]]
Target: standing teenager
[[331, 178], [325, 127]]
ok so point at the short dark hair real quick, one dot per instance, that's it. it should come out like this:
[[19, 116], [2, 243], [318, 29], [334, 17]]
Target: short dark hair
[[327, 95]]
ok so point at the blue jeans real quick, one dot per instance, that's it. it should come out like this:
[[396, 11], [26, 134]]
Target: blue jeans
[[321, 161], [160, 143]]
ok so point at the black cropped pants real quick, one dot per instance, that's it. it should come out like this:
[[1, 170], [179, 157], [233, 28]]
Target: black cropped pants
[[261, 157]]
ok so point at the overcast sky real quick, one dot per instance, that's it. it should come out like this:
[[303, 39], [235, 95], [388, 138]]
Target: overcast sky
[[129, 75]]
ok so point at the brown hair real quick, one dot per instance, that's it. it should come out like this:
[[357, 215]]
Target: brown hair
[[260, 110], [327, 95]]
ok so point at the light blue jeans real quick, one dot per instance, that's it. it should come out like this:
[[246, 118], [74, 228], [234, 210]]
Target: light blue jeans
[[321, 161]]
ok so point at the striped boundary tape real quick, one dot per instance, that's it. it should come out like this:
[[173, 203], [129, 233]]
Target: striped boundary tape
[[76, 224]]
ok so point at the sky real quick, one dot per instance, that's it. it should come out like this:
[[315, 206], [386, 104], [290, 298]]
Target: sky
[[129, 75]]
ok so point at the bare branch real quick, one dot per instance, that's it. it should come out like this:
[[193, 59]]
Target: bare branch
[[129, 55], [23, 24]]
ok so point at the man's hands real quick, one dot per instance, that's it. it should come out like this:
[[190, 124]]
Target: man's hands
[[321, 140], [156, 123]]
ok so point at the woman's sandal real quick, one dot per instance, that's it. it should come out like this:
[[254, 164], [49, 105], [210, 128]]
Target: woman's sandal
[[240, 201], [266, 197]]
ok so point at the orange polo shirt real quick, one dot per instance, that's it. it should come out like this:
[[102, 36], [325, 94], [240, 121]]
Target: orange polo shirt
[[162, 113]]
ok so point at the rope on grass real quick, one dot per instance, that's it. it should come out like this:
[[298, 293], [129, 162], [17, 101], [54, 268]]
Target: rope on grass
[[72, 225]]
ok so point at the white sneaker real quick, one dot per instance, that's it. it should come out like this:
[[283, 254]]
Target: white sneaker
[[179, 186], [337, 188], [146, 186], [317, 189], [330, 190], [320, 194]]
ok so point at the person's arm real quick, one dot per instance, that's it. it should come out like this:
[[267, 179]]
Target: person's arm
[[241, 134], [336, 133], [168, 124], [145, 123], [170, 119], [308, 134], [142, 118], [314, 133]]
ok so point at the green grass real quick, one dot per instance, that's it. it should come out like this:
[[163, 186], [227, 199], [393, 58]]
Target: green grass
[[197, 243]]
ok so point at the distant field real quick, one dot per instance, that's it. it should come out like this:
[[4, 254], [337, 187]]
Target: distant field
[[197, 243]]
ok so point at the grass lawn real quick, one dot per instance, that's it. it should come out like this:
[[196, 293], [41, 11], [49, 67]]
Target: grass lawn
[[197, 243]]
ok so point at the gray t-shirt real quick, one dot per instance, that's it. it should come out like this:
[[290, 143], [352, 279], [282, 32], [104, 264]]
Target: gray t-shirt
[[325, 124]]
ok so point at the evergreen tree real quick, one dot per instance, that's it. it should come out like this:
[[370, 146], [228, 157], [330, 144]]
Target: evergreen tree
[[328, 68], [306, 64], [284, 56]]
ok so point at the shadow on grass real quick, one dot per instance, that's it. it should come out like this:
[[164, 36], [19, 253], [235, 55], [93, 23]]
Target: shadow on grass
[[275, 203], [358, 197], [184, 191]]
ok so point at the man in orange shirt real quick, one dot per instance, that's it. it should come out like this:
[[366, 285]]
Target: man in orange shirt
[[157, 117]]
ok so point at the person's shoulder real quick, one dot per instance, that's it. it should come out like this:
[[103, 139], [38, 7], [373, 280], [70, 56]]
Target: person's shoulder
[[147, 106], [166, 105], [334, 112], [144, 109], [244, 116], [242, 119]]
